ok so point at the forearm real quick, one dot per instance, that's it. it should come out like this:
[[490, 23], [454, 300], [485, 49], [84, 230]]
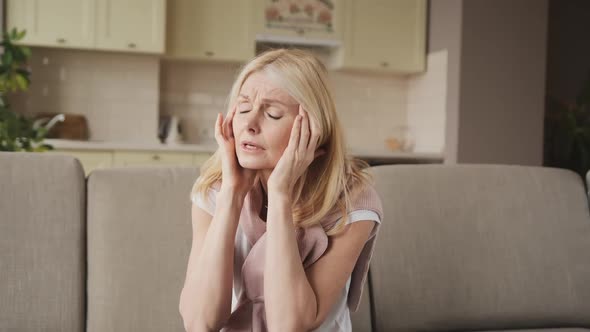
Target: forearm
[[290, 301], [208, 290]]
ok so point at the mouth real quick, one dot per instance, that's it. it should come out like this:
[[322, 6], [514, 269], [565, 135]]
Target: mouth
[[249, 147]]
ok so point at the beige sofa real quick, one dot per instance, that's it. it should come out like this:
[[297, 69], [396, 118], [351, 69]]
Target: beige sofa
[[462, 248]]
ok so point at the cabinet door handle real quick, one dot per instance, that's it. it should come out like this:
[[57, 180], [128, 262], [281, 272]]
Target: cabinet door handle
[[209, 53], [384, 64], [61, 40], [156, 157], [131, 45]]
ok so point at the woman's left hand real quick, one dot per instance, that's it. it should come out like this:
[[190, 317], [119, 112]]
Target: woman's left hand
[[299, 154]]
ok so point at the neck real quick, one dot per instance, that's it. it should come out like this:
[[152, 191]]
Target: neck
[[263, 176]]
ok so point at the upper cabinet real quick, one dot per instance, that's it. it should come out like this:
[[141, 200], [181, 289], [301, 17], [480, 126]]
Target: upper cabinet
[[384, 35], [307, 21], [367, 35], [210, 29], [63, 23], [131, 25]]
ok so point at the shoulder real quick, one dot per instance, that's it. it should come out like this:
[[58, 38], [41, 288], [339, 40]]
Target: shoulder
[[366, 197], [207, 202], [364, 204]]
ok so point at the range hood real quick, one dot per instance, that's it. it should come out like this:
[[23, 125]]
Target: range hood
[[297, 41]]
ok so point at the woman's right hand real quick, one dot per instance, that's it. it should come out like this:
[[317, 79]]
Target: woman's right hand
[[235, 178]]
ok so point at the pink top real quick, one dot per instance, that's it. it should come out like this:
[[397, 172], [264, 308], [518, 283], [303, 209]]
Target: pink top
[[248, 292]]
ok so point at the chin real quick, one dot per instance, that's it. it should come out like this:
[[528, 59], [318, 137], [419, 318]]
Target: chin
[[250, 162]]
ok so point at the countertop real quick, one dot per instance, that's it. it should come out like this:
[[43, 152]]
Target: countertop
[[373, 156], [106, 145]]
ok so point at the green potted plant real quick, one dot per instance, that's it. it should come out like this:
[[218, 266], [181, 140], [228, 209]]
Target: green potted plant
[[567, 132], [17, 132]]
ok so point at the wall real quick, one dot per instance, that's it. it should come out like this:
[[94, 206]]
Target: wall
[[503, 81], [496, 78], [444, 34]]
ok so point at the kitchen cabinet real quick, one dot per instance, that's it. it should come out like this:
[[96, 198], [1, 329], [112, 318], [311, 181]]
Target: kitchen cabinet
[[131, 25], [57, 23], [90, 160], [97, 159], [310, 21], [140, 158], [121, 25], [384, 35], [219, 30], [200, 158]]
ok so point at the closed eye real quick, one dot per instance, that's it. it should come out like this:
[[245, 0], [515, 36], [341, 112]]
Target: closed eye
[[272, 117]]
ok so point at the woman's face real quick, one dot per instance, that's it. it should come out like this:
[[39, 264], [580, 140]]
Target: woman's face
[[264, 117]]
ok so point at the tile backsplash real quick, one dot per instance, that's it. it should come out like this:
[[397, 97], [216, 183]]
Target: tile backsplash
[[369, 106], [123, 96], [195, 92], [117, 93]]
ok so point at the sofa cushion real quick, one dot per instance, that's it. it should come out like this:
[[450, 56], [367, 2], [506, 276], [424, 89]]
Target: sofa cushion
[[42, 242], [481, 247]]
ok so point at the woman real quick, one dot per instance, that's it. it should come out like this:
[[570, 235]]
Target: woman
[[284, 221]]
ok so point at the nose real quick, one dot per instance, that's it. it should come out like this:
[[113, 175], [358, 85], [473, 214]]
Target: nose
[[253, 119]]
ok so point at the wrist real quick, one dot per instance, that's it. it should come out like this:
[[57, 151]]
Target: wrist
[[231, 197], [233, 191], [278, 196]]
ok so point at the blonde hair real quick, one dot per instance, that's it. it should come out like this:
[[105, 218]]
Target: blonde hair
[[331, 179]]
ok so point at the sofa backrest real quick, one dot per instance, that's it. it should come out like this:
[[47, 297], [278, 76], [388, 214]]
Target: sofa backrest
[[139, 238], [42, 242], [481, 247], [361, 319]]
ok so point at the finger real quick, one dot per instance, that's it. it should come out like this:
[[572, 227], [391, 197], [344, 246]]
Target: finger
[[295, 132], [304, 137], [224, 125], [218, 131], [230, 123], [314, 134]]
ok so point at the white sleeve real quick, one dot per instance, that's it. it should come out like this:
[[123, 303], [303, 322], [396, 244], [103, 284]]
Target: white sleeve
[[209, 205], [358, 215]]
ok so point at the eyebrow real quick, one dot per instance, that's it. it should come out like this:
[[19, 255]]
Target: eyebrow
[[267, 100]]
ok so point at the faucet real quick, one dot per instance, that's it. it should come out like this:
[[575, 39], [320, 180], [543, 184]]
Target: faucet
[[51, 123]]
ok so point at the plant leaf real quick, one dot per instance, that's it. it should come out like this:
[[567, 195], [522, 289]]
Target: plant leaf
[[21, 82]]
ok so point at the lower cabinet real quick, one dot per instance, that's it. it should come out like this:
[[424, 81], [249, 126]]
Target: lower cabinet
[[90, 160], [133, 158], [200, 158], [97, 159]]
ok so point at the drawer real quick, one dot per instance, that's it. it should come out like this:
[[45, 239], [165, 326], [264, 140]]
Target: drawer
[[132, 158], [200, 158]]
